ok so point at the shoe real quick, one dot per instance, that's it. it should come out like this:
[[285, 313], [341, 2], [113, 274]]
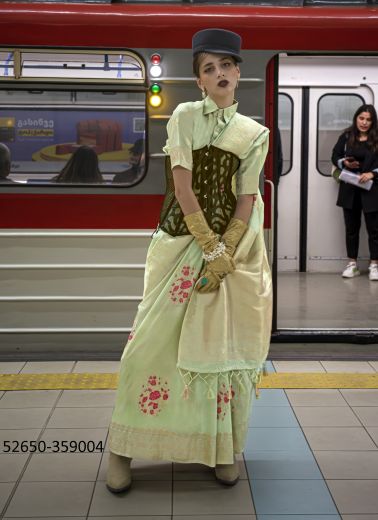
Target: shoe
[[373, 272], [227, 474], [118, 478], [351, 271]]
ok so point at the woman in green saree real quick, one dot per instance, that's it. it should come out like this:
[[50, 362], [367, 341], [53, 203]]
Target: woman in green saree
[[202, 331]]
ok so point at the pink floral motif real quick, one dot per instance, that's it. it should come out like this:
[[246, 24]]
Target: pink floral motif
[[224, 397], [181, 288], [152, 396], [132, 333]]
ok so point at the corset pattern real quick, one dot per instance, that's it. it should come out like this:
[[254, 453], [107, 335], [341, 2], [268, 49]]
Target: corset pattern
[[212, 174]]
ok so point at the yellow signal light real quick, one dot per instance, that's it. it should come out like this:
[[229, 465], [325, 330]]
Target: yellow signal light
[[155, 101]]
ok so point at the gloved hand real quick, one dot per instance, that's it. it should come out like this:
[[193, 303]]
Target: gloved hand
[[219, 261], [214, 273], [233, 234]]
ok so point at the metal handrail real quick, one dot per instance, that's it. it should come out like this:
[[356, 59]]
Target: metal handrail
[[56, 298], [271, 234], [72, 266], [111, 233], [70, 330]]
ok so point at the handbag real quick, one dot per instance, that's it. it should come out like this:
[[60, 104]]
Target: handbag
[[335, 172]]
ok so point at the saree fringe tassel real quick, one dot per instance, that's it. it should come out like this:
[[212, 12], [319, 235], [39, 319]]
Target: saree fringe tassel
[[231, 379]]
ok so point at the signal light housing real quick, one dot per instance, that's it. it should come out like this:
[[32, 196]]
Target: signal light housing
[[155, 100]]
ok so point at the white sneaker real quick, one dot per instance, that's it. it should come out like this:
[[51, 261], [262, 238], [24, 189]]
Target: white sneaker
[[351, 271], [373, 272]]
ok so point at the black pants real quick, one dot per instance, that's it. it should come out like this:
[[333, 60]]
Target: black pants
[[352, 218]]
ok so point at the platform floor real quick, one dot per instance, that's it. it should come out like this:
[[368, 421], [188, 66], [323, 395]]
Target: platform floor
[[310, 455], [326, 300]]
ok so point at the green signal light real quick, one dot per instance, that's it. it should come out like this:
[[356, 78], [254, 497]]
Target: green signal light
[[155, 88]]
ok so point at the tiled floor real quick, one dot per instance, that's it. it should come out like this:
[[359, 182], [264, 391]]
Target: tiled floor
[[309, 455]]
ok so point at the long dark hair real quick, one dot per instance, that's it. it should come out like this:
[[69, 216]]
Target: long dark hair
[[82, 167], [354, 133]]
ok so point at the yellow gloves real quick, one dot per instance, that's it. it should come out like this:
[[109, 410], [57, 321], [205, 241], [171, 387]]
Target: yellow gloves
[[231, 238], [199, 228], [220, 263], [233, 234], [214, 273]]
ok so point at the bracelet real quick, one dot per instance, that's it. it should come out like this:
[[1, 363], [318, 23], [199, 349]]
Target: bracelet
[[215, 253]]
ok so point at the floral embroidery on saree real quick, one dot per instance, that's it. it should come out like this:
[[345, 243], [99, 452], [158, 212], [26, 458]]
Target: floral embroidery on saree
[[181, 288], [153, 396]]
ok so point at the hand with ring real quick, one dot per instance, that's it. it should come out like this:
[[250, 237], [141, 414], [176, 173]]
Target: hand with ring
[[214, 273]]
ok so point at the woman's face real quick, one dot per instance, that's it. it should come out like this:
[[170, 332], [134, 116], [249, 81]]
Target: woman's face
[[218, 75], [364, 122]]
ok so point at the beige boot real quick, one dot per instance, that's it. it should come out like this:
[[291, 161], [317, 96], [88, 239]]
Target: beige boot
[[119, 475], [227, 474]]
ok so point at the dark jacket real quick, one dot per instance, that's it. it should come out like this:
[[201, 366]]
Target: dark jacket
[[368, 162]]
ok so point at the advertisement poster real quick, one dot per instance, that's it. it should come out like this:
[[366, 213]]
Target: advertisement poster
[[41, 141]]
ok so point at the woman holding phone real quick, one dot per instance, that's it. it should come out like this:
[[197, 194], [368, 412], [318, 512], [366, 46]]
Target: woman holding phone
[[357, 151]]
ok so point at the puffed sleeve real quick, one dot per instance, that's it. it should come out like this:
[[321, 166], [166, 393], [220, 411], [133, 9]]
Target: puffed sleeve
[[247, 177], [180, 136]]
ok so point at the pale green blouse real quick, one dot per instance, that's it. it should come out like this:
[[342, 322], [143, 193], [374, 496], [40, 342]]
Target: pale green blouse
[[194, 125]]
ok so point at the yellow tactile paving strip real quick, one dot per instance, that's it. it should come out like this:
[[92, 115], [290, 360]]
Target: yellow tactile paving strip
[[100, 381]]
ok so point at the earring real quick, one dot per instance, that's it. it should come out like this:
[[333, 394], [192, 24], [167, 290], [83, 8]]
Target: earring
[[204, 93], [237, 83]]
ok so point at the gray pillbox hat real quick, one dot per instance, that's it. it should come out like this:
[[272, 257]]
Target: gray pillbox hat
[[217, 41]]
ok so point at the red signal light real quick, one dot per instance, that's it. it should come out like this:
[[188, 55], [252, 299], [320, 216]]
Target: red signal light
[[155, 59]]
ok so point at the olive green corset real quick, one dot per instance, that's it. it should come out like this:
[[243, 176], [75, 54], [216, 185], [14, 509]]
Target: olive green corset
[[212, 174]]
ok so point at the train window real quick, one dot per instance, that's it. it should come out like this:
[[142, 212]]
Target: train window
[[285, 125], [335, 113], [6, 64], [42, 134], [101, 104], [80, 65]]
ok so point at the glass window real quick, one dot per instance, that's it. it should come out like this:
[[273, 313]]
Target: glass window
[[335, 114], [43, 136], [285, 127], [45, 127], [79, 65], [6, 64]]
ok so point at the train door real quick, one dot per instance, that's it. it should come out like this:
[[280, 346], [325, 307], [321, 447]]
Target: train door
[[310, 225], [330, 112], [310, 230], [289, 175]]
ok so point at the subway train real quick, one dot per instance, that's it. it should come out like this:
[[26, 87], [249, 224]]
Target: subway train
[[109, 76]]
